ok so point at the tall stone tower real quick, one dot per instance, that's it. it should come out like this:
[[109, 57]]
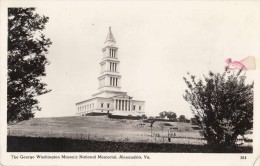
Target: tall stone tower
[[109, 78], [110, 99]]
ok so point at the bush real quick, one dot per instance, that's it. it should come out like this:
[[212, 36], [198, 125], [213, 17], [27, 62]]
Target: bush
[[222, 105]]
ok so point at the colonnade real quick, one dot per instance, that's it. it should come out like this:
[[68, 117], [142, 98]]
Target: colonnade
[[123, 105]]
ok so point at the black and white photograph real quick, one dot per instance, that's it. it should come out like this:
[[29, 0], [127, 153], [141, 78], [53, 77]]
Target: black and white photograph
[[130, 83]]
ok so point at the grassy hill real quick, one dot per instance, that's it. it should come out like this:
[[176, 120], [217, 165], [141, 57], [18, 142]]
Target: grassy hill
[[102, 134], [104, 129]]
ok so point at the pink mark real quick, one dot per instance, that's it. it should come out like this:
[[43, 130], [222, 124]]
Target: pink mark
[[235, 65], [245, 64]]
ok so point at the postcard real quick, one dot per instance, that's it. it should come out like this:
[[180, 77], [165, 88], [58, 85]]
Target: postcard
[[130, 83]]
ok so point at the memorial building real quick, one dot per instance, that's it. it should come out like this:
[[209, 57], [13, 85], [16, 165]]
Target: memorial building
[[109, 98]]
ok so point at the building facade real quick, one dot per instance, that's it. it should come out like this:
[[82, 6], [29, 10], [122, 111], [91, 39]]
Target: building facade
[[110, 98]]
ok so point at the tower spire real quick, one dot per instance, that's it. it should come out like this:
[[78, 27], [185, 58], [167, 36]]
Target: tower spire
[[110, 36]]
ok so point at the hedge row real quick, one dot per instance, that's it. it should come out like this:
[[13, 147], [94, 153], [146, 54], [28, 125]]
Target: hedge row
[[39, 144]]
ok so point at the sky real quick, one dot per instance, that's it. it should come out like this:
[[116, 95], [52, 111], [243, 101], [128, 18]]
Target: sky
[[159, 42]]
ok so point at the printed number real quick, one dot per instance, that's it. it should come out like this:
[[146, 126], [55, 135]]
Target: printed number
[[242, 157]]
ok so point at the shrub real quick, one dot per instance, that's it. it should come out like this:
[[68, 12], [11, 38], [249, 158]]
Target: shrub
[[222, 105]]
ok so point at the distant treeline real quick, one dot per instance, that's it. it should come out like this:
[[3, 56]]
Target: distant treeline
[[145, 119], [39, 144], [126, 117]]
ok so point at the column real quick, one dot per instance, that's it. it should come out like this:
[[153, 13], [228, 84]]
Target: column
[[122, 105], [131, 104]]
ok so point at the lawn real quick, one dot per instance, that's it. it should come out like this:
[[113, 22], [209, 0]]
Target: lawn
[[102, 134], [106, 129]]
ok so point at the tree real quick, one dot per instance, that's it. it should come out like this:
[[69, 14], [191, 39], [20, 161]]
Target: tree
[[169, 115], [193, 121], [222, 105], [182, 118], [27, 47], [162, 114]]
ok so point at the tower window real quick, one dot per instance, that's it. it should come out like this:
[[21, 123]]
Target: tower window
[[133, 107], [112, 53], [107, 105], [139, 107], [102, 105], [112, 66]]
